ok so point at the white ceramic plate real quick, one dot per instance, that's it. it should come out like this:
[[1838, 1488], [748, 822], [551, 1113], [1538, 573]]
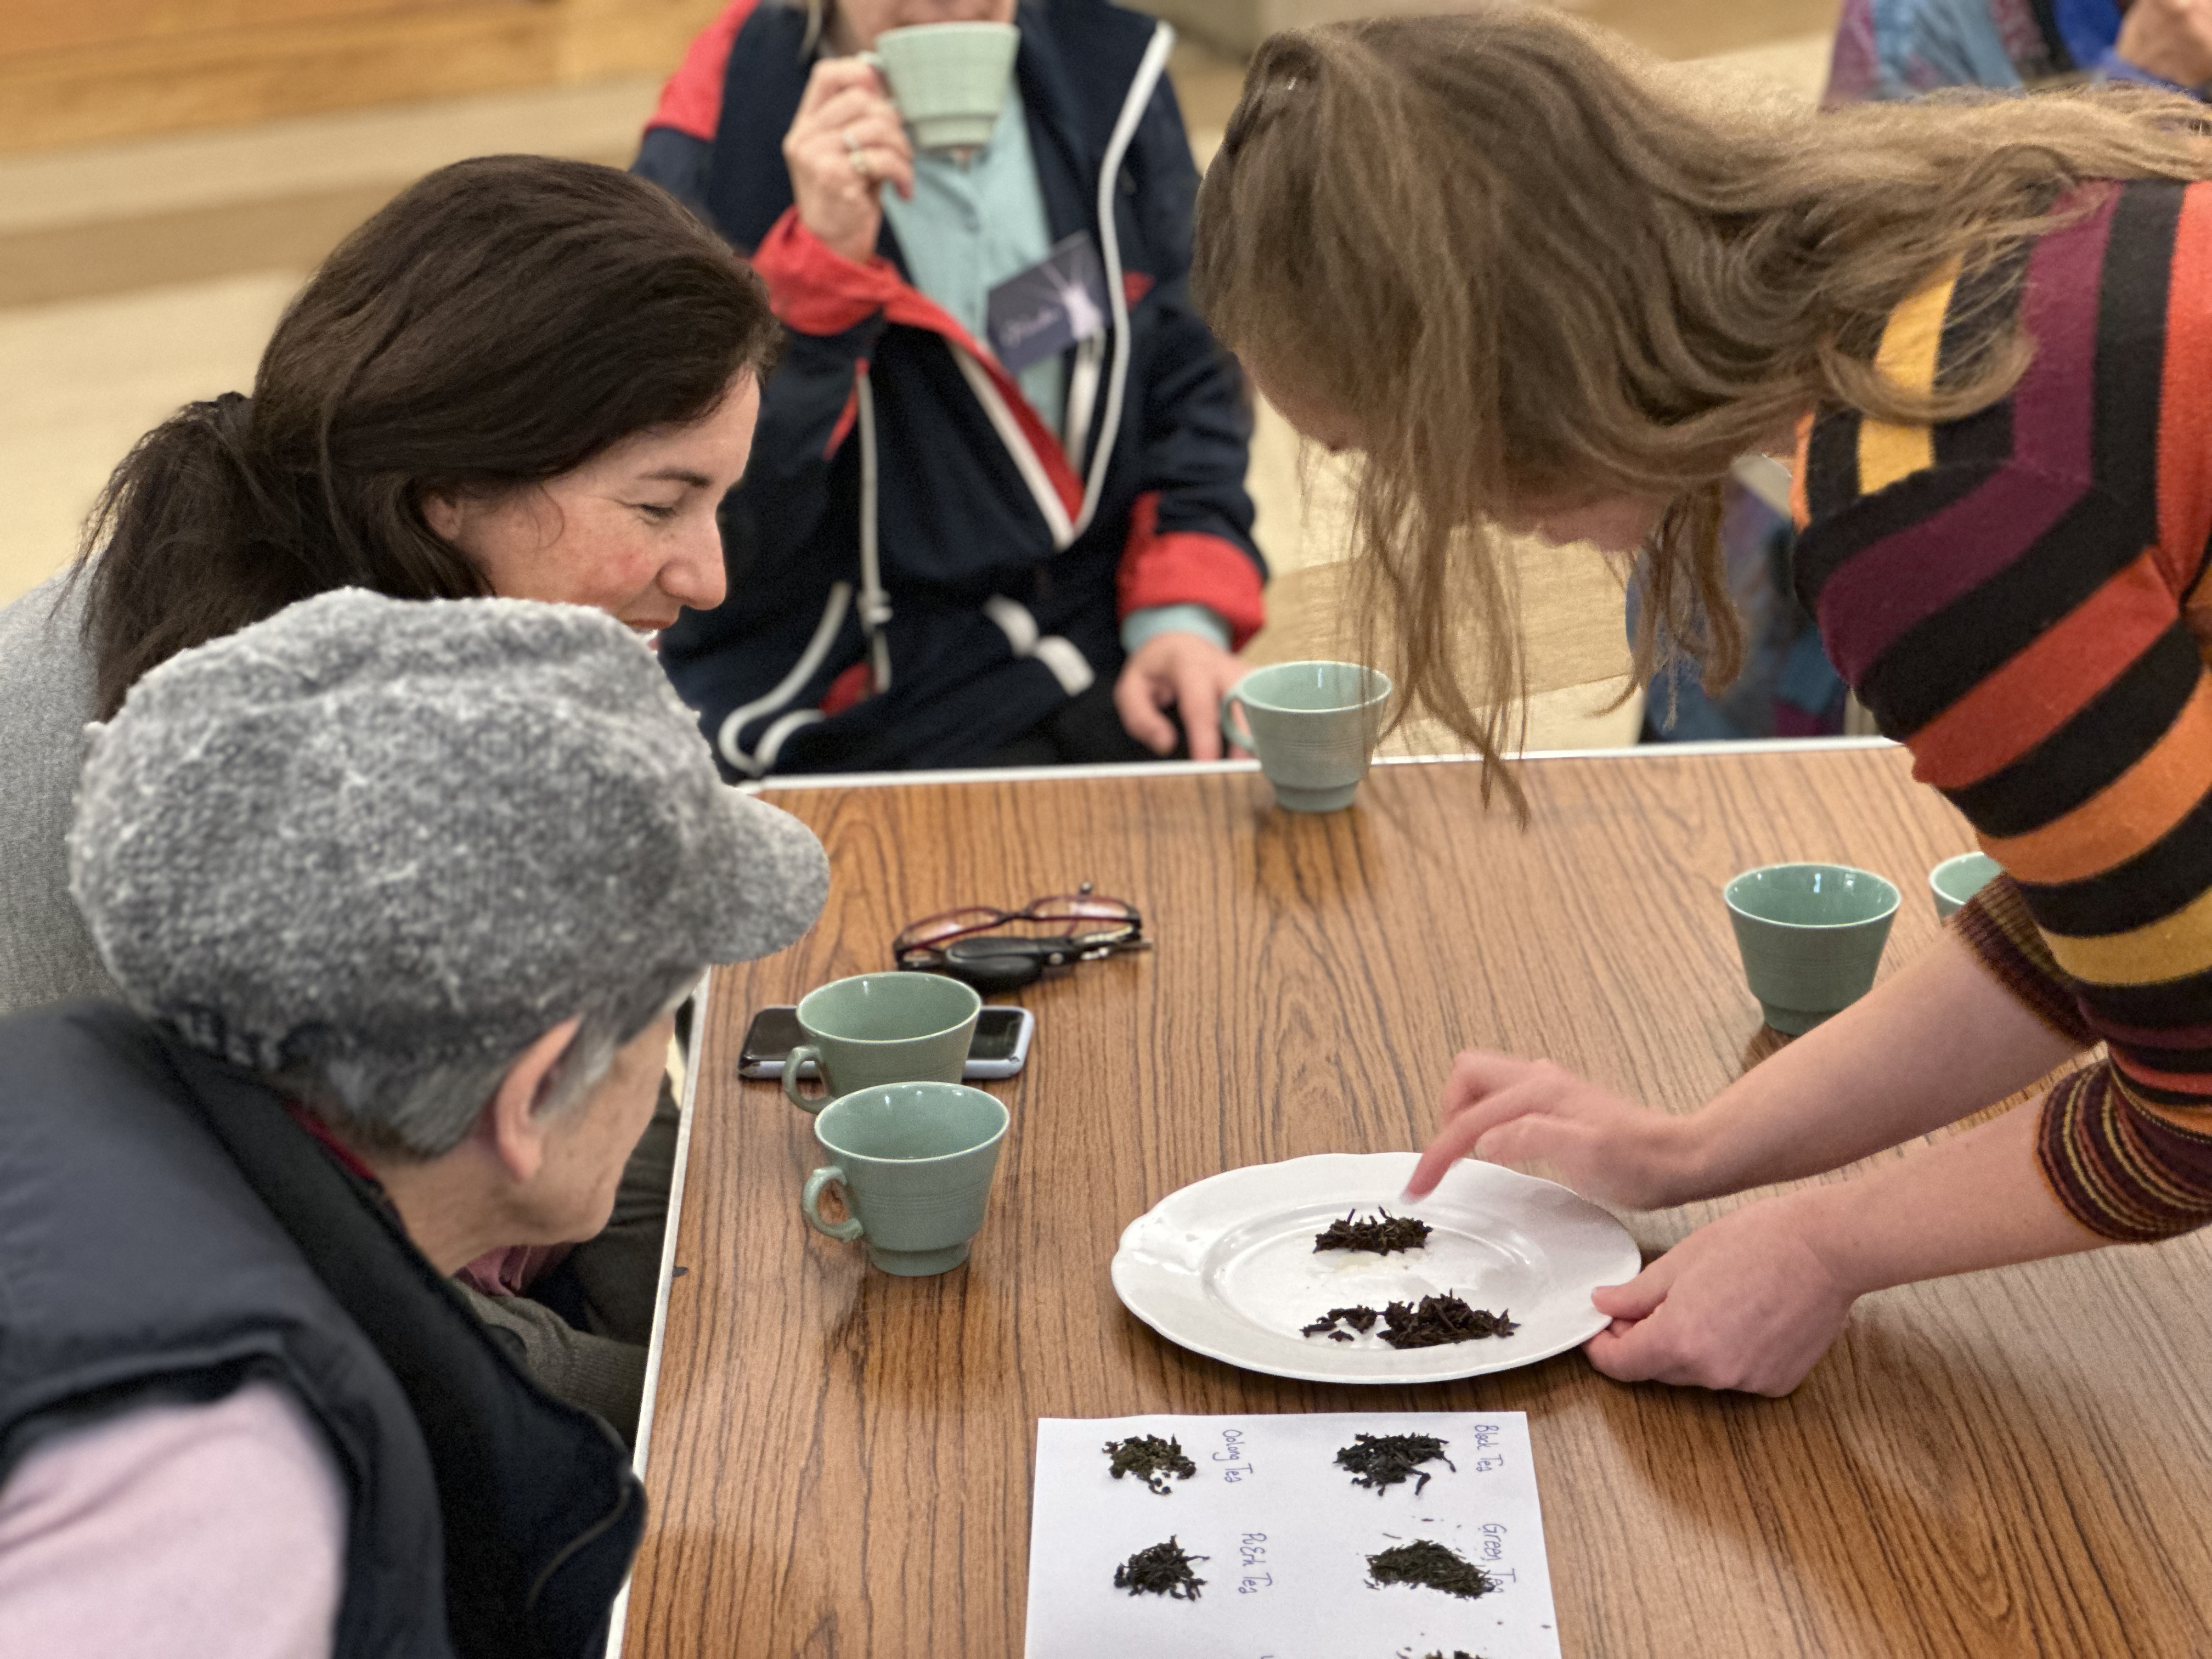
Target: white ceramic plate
[[1226, 1267]]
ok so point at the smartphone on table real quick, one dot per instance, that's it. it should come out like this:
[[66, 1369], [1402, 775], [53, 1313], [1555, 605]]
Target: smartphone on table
[[1000, 1047]]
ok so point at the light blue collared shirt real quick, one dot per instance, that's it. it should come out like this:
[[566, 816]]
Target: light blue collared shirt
[[970, 225]]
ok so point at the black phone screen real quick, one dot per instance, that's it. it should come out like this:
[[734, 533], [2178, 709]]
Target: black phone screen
[[996, 1029], [774, 1032]]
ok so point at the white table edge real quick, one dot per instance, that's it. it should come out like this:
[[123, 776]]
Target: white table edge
[[1209, 768], [620, 1617]]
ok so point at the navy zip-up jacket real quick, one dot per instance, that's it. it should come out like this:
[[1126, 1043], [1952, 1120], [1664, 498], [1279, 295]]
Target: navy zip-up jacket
[[999, 599]]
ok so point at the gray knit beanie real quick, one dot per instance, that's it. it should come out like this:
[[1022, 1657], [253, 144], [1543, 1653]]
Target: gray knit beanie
[[397, 837]]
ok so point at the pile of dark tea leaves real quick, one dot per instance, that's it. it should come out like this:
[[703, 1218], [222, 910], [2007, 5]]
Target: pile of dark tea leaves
[[1391, 1232], [1161, 1570], [1360, 1319], [1152, 1460], [1422, 1562], [1436, 1321], [1389, 1460], [1442, 1319]]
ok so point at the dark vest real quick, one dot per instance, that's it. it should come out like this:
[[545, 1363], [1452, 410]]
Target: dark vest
[[167, 1231]]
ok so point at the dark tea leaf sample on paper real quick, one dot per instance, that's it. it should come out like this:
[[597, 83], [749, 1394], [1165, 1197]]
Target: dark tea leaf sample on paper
[[1391, 1232], [1389, 1460], [1442, 1319], [1161, 1570], [1432, 1566], [1151, 1459]]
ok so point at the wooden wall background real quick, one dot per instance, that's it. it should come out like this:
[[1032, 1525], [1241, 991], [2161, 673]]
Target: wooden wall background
[[90, 72]]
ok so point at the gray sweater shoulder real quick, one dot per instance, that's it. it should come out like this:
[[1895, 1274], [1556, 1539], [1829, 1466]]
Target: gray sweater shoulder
[[45, 700]]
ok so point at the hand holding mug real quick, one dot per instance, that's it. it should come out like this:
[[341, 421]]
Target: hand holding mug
[[847, 141]]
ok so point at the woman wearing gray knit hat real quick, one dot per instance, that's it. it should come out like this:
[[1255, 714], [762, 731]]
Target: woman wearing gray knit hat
[[400, 897], [524, 376]]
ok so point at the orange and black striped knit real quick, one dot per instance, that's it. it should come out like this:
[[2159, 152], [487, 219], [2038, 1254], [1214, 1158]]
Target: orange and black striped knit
[[2019, 596]]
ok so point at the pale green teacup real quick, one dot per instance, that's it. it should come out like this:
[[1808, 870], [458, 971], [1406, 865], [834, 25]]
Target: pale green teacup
[[1811, 935], [1956, 880], [915, 1161], [1313, 725], [948, 80], [882, 1028]]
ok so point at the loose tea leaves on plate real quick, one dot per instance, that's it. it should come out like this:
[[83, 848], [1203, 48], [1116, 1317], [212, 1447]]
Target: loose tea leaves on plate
[[1386, 1459], [1442, 1319], [1423, 1562], [1151, 1459], [1391, 1232], [1161, 1570], [1360, 1319]]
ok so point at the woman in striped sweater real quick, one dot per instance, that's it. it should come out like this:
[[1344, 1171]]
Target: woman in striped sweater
[[1544, 284]]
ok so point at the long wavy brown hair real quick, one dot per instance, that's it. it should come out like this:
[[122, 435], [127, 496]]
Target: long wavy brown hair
[[1524, 262]]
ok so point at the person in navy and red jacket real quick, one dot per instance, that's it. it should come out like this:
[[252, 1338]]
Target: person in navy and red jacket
[[933, 563]]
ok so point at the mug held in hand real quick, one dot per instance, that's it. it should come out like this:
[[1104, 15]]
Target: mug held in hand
[[948, 80]]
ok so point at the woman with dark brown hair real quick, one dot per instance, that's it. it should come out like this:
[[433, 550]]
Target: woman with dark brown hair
[[1545, 284], [524, 377]]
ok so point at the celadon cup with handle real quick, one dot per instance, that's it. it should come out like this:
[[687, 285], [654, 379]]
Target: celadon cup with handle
[[948, 80], [1811, 935], [1313, 725], [882, 1028], [1956, 880], [915, 1161]]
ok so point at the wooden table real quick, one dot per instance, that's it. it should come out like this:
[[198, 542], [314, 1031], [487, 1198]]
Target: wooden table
[[2009, 1464]]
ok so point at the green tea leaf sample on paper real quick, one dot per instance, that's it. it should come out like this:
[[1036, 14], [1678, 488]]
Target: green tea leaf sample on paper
[[1431, 1567]]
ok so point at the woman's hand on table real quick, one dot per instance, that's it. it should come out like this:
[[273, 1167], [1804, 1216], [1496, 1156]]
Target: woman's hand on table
[[1745, 1302], [846, 142], [1187, 672], [1524, 1112]]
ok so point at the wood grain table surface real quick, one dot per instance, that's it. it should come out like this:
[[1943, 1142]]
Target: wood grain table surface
[[2016, 1463]]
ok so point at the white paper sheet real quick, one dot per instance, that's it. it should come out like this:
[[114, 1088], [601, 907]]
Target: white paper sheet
[[1287, 1535]]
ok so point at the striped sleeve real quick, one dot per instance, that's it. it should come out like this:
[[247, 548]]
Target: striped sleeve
[[2010, 594]]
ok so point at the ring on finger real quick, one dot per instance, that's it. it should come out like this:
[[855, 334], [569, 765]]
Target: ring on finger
[[857, 154]]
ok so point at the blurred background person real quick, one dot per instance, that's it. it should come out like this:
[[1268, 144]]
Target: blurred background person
[[936, 560]]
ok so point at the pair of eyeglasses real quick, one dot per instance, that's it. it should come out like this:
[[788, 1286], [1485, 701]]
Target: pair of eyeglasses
[[968, 943]]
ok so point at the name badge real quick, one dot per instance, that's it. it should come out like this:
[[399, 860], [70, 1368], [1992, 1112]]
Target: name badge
[[1058, 302]]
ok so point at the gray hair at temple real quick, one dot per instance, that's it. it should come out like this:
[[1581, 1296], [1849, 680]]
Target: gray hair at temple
[[370, 850]]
